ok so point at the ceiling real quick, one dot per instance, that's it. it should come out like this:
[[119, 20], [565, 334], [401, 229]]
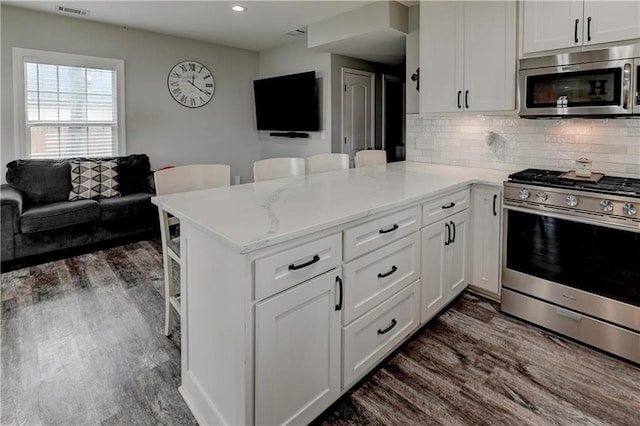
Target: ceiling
[[263, 26]]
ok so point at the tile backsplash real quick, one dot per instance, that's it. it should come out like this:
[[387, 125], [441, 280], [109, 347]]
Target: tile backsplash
[[513, 143]]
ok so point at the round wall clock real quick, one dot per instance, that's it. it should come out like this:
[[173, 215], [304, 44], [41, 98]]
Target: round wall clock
[[191, 84]]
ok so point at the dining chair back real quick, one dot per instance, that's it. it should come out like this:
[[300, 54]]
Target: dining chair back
[[276, 168], [327, 162], [370, 157], [171, 181]]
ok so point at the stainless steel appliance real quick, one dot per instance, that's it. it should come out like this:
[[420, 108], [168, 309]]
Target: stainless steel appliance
[[594, 83], [572, 256]]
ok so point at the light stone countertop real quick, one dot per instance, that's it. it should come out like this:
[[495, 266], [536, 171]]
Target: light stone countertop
[[256, 215]]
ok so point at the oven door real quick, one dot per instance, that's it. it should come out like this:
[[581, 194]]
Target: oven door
[[598, 88], [574, 262]]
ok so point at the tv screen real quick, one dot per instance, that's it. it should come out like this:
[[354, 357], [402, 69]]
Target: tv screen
[[288, 102]]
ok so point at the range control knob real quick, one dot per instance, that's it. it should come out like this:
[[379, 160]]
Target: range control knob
[[571, 200], [524, 194], [629, 209], [541, 196], [606, 206]]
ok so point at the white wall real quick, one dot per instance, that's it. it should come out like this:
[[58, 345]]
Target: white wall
[[223, 131], [612, 144], [290, 59]]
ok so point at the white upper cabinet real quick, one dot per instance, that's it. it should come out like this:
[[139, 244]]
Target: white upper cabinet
[[441, 56], [608, 21], [467, 56], [549, 25]]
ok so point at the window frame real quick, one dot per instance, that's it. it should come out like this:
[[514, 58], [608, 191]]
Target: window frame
[[21, 56]]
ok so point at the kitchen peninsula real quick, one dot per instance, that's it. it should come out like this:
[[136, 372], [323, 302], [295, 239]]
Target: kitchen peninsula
[[293, 289]]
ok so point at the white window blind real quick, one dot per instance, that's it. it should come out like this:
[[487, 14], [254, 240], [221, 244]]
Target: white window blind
[[69, 110]]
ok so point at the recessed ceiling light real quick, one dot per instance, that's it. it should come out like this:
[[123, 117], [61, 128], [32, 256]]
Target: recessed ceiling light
[[239, 8]]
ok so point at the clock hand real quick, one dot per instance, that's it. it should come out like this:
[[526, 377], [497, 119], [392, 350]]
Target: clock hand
[[195, 86]]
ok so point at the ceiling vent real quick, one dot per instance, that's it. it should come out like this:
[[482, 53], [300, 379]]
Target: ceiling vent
[[72, 10], [296, 33]]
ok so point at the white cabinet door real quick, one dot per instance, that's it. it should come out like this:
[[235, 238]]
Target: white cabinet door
[[485, 243], [551, 25], [444, 263], [434, 289], [607, 21], [297, 352], [441, 56], [490, 55], [467, 56], [456, 254]]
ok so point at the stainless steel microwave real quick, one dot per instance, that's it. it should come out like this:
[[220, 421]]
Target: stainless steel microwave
[[602, 83]]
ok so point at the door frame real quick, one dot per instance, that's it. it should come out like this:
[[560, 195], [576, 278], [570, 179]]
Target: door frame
[[385, 78], [372, 76]]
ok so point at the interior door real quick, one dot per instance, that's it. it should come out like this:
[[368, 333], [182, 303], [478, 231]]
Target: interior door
[[357, 111]]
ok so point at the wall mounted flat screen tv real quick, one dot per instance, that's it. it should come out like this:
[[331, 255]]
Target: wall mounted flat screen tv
[[288, 102]]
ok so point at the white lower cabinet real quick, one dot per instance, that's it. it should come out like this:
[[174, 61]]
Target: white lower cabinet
[[485, 238], [444, 262], [297, 352], [372, 336]]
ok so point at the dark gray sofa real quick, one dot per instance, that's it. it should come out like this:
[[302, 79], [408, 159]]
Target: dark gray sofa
[[37, 218]]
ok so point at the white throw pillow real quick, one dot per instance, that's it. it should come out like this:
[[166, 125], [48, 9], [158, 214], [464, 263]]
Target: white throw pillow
[[93, 179]]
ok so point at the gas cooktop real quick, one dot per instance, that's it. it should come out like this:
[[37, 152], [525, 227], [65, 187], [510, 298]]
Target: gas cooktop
[[552, 178]]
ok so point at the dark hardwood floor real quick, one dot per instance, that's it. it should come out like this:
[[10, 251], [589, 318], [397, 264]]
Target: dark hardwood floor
[[82, 343]]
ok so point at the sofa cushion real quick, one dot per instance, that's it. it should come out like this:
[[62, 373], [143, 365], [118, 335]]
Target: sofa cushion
[[40, 181], [126, 206], [133, 173], [93, 179], [58, 215]]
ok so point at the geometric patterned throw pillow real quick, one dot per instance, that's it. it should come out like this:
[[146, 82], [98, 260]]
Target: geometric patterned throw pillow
[[93, 179]]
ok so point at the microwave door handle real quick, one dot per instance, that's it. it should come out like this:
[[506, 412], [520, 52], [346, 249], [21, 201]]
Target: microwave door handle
[[626, 84]]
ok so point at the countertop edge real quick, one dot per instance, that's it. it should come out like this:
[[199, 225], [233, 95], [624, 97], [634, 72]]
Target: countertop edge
[[258, 244]]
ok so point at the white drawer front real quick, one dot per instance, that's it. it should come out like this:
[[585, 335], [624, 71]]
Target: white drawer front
[[369, 236], [433, 211], [373, 278], [283, 270], [370, 338]]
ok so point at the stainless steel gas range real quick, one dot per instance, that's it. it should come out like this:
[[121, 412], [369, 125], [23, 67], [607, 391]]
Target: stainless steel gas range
[[572, 256]]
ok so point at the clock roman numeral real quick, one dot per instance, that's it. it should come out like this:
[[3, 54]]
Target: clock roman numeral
[[192, 67], [175, 74], [202, 99], [174, 83], [193, 101], [176, 92], [207, 76], [200, 70], [184, 68], [183, 99], [208, 85]]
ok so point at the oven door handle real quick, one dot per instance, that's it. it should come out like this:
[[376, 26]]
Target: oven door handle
[[557, 214]]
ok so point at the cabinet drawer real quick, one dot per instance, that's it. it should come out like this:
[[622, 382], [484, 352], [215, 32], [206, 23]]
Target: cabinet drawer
[[369, 236], [290, 267], [373, 278], [433, 211], [370, 338]]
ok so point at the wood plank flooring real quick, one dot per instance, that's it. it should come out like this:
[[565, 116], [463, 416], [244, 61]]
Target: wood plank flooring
[[82, 343]]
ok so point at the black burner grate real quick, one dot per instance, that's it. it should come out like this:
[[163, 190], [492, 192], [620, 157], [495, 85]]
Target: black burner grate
[[607, 185]]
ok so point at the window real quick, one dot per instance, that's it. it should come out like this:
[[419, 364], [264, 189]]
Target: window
[[68, 105]]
